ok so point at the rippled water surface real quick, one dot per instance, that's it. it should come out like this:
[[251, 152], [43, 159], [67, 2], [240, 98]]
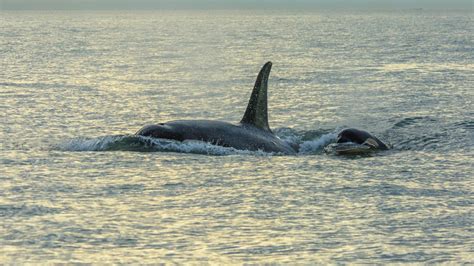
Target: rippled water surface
[[76, 186]]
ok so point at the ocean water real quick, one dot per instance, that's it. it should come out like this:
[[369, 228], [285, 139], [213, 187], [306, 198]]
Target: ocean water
[[76, 186]]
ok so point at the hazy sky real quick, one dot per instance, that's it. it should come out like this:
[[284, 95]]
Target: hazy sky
[[233, 4]]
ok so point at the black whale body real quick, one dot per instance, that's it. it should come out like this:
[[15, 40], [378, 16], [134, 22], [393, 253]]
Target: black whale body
[[252, 133], [240, 136], [366, 142]]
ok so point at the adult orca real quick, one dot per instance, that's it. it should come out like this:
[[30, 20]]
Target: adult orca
[[252, 133], [364, 138]]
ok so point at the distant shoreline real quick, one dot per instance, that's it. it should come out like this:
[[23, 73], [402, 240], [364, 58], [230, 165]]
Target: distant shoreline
[[305, 10]]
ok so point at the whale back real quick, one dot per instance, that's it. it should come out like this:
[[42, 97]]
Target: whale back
[[256, 113]]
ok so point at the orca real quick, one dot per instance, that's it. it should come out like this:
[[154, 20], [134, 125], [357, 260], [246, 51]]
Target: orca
[[352, 135], [252, 133]]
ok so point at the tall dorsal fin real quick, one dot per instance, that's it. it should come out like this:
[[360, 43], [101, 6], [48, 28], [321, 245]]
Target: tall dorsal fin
[[256, 113]]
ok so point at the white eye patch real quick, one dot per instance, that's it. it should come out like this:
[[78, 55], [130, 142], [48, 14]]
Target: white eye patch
[[371, 143]]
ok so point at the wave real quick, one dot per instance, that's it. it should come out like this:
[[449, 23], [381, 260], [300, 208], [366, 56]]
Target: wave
[[425, 133], [413, 120], [469, 125], [418, 133], [39, 85], [147, 144], [317, 145], [24, 210]]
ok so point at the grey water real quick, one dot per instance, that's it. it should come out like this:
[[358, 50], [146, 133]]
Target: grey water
[[77, 186]]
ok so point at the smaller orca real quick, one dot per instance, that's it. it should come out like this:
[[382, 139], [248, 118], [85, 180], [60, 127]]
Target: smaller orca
[[366, 142]]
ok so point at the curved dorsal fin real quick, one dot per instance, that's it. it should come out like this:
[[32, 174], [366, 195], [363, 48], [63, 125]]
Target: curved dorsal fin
[[256, 113]]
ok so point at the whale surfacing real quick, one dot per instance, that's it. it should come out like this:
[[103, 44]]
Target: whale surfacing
[[352, 135], [351, 141], [252, 133]]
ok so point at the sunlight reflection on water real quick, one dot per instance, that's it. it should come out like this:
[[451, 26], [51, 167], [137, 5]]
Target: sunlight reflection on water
[[74, 81]]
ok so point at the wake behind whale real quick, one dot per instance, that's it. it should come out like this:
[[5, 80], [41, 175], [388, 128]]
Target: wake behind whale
[[136, 143]]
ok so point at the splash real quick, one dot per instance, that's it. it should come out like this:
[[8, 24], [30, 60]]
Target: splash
[[317, 145], [146, 144]]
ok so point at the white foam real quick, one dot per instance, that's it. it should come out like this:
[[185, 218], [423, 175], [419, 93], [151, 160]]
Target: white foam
[[151, 144], [199, 147], [140, 143], [87, 144], [316, 145]]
